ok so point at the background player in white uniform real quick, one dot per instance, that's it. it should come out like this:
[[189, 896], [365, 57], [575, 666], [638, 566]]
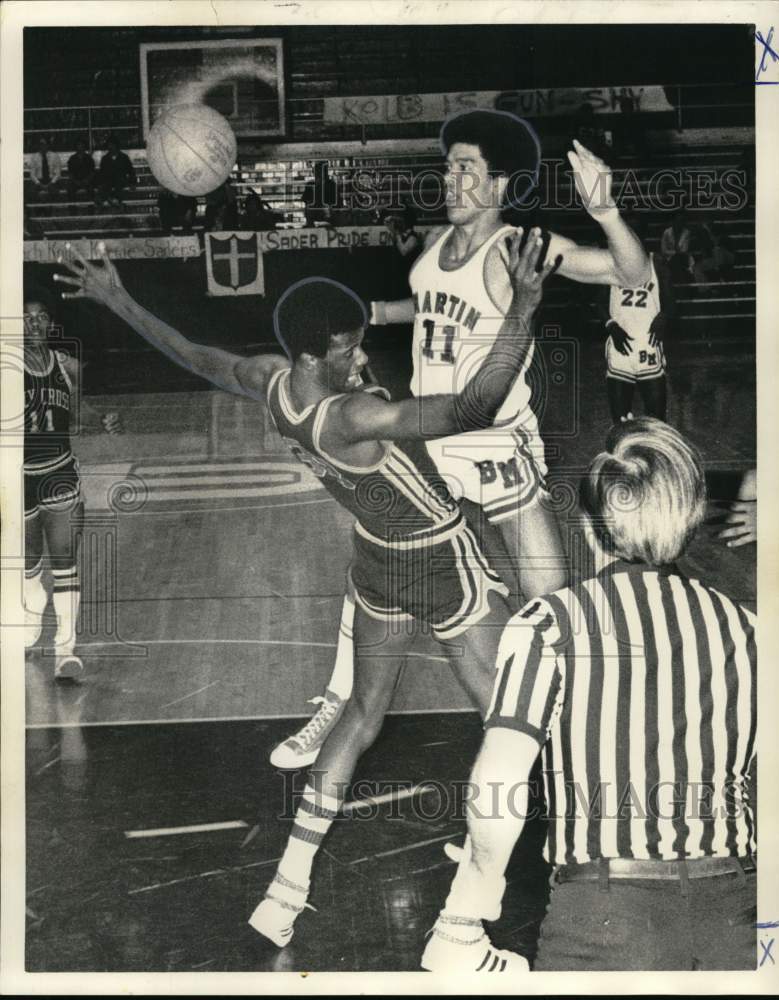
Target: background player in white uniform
[[634, 349], [492, 161]]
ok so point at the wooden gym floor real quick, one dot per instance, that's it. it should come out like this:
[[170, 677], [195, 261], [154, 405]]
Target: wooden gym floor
[[213, 573]]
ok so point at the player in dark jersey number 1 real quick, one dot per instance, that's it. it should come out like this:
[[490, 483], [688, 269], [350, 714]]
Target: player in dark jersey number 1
[[414, 556]]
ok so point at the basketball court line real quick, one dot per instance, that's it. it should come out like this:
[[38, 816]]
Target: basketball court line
[[172, 599], [175, 831], [209, 874], [378, 800], [269, 717], [268, 861], [221, 510], [228, 718], [238, 642], [197, 642], [190, 694], [239, 824], [229, 470], [403, 850]]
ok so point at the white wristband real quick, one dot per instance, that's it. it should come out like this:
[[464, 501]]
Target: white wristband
[[378, 313]]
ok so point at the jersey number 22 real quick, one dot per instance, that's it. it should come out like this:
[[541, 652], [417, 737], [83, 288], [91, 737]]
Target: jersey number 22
[[640, 294]]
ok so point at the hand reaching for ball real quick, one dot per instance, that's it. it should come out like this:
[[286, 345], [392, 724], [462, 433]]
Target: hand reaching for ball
[[593, 180], [101, 284]]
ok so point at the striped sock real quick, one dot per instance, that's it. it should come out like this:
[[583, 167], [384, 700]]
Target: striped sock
[[315, 814], [458, 929], [66, 598], [474, 894]]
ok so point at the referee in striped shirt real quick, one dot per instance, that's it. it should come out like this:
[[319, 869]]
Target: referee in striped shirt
[[639, 688]]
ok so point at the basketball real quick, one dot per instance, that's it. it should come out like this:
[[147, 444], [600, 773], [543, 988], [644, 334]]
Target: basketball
[[191, 149]]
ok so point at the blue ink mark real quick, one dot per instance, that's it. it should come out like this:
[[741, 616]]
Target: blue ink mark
[[766, 953], [765, 924], [767, 51]]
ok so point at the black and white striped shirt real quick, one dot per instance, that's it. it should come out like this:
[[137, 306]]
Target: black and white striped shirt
[[641, 686]]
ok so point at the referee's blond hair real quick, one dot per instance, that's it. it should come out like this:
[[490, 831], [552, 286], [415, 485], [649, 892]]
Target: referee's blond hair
[[646, 492]]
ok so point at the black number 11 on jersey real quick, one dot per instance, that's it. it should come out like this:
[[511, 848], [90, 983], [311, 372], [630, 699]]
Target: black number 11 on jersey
[[449, 332]]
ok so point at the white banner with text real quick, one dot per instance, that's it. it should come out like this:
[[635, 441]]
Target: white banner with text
[[400, 109]]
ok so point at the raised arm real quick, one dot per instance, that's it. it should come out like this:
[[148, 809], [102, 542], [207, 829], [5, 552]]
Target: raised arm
[[231, 372], [366, 418], [625, 262]]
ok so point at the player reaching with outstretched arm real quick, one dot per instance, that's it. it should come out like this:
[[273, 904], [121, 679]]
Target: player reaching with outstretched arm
[[414, 555], [461, 288]]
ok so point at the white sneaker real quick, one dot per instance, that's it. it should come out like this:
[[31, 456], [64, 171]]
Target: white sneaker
[[302, 749], [275, 916], [446, 954], [274, 921], [68, 667]]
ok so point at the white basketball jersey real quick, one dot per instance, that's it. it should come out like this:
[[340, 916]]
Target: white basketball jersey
[[635, 308], [455, 325]]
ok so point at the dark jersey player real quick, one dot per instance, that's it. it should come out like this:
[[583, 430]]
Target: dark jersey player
[[414, 555], [52, 490]]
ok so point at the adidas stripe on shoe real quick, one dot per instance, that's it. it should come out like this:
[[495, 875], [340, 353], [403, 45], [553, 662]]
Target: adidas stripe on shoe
[[446, 954]]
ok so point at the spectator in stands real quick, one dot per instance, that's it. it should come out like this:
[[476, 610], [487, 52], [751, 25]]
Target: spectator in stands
[[320, 196], [701, 247], [257, 215], [45, 173], [629, 132], [675, 247], [589, 132], [81, 172], [724, 255], [747, 164], [711, 253], [221, 208], [32, 229], [116, 174], [176, 210], [404, 236]]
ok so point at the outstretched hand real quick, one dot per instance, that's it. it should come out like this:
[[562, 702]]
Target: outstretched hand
[[102, 284], [593, 180], [741, 524], [527, 278]]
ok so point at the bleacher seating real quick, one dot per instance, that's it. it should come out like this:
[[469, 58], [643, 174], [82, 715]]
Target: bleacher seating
[[708, 311]]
